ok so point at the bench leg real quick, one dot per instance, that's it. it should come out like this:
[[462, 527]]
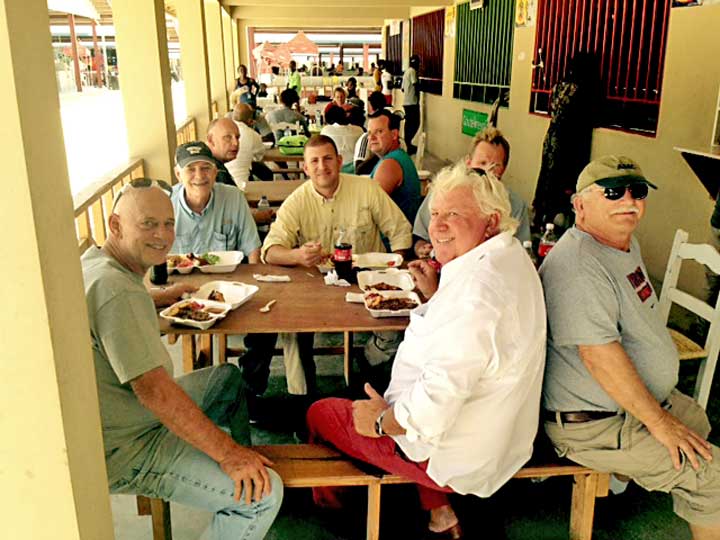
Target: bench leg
[[143, 505], [373, 511], [189, 351], [160, 519], [582, 508], [347, 358]]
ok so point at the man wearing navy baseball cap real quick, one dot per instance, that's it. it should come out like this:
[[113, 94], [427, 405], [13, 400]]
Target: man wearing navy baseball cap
[[609, 395]]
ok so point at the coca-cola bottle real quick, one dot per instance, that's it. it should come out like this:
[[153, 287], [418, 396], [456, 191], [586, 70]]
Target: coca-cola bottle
[[547, 242], [342, 257]]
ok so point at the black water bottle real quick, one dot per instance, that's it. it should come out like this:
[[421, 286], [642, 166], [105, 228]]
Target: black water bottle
[[159, 274]]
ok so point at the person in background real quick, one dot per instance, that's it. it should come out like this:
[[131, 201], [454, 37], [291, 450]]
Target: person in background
[[377, 74], [250, 148], [395, 172], [286, 113], [609, 394], [364, 160], [294, 79], [339, 100], [163, 437], [574, 111], [461, 411], [308, 225], [386, 80], [223, 139], [489, 152], [209, 216], [343, 134], [262, 90], [351, 87], [411, 102], [247, 87]]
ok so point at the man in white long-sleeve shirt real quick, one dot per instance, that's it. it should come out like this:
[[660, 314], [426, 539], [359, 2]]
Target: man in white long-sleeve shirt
[[250, 150], [461, 411]]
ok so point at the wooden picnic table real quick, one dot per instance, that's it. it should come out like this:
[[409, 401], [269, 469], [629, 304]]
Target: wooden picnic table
[[274, 155], [276, 190], [305, 304]]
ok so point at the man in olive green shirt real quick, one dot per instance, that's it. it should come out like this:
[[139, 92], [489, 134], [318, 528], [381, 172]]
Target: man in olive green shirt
[[308, 225]]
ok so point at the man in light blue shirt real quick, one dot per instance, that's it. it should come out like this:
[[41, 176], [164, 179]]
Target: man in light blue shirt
[[209, 216]]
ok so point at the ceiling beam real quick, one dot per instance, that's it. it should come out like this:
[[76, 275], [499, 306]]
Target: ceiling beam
[[303, 12], [347, 6], [315, 22]]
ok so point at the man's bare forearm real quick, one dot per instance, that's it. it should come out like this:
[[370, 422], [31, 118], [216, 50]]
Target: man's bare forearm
[[280, 255], [160, 394], [612, 368]]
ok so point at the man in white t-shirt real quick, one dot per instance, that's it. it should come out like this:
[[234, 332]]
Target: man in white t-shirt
[[248, 162]]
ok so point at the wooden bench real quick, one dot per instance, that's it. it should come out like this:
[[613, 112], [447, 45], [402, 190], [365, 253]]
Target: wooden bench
[[309, 465]]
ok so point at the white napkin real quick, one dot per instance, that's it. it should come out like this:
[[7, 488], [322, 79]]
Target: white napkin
[[331, 278], [271, 278], [355, 297]]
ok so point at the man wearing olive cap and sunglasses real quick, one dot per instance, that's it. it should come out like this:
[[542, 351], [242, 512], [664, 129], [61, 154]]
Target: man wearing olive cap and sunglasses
[[609, 394]]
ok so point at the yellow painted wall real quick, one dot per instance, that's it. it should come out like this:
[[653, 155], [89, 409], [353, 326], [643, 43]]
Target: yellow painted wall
[[230, 68], [216, 63], [690, 91], [52, 470]]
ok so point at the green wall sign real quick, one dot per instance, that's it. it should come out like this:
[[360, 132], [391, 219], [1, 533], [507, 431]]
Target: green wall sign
[[473, 121]]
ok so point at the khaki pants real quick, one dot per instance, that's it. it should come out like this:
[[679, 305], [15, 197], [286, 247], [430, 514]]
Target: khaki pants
[[621, 444]]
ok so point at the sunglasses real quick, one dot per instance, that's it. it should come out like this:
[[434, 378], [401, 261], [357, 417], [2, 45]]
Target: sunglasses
[[637, 191], [139, 183]]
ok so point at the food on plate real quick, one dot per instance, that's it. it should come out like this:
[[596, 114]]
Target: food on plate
[[179, 261], [215, 310], [217, 296], [377, 301], [193, 311], [206, 259], [382, 286], [391, 263]]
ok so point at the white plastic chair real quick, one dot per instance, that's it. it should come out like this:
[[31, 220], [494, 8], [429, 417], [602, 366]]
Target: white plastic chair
[[687, 349], [423, 174]]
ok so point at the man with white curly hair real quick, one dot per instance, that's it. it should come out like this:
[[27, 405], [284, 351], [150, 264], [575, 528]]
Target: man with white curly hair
[[461, 411]]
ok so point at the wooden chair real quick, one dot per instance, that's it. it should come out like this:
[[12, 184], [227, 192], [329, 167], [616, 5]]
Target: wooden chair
[[687, 349]]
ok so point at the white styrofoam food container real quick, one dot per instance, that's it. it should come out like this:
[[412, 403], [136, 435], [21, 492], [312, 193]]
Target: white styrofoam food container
[[378, 313], [235, 292], [202, 325], [377, 260], [391, 276], [228, 262], [180, 269]]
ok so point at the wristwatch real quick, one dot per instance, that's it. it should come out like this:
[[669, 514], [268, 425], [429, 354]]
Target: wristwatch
[[378, 424]]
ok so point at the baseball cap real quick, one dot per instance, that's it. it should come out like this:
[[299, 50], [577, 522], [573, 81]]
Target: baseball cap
[[188, 153], [611, 172]]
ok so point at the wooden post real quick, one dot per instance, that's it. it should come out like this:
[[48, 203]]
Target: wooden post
[[97, 65], [75, 53], [373, 511]]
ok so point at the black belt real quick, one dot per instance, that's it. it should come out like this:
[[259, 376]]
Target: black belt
[[577, 417]]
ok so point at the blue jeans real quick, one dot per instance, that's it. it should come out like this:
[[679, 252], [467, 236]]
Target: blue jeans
[[173, 470]]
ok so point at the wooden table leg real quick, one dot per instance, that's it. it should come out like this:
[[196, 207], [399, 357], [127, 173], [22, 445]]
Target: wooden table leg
[[188, 345], [373, 511], [347, 360], [222, 348], [205, 351], [582, 508]]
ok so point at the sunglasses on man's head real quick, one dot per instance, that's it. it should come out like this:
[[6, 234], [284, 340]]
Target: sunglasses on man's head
[[141, 183], [637, 191]]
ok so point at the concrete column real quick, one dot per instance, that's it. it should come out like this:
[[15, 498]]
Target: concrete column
[[194, 54], [216, 56], [236, 44], [144, 70], [230, 66], [52, 469]]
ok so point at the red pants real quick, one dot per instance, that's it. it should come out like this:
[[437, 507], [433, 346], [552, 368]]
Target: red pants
[[330, 421]]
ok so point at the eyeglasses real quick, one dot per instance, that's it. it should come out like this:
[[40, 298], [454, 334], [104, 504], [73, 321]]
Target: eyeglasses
[[141, 183], [637, 191]]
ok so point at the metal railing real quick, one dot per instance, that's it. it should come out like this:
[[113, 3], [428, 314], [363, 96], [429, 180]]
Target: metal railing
[[94, 203]]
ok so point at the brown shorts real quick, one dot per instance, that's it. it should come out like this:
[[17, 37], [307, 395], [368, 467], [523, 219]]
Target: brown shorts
[[621, 444]]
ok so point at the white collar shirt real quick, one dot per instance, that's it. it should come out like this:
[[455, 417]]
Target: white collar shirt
[[250, 148], [466, 380]]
